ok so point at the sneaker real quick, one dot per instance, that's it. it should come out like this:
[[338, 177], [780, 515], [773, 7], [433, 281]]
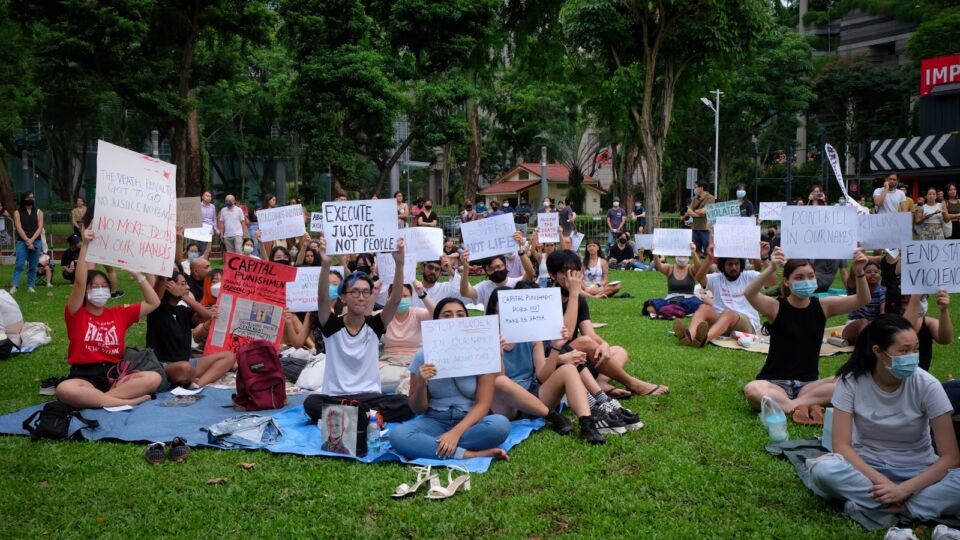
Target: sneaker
[[631, 420], [607, 423], [13, 290], [116, 294], [942, 532], [590, 432], [31, 289], [48, 387], [559, 423], [154, 453], [50, 285], [896, 533], [179, 450]]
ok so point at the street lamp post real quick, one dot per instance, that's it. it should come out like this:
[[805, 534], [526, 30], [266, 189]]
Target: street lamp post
[[715, 107], [543, 172]]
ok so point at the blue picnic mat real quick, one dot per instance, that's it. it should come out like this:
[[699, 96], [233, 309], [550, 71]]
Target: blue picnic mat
[[151, 421]]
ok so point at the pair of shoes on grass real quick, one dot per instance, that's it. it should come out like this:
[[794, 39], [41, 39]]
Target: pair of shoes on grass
[[155, 453], [697, 340], [941, 532]]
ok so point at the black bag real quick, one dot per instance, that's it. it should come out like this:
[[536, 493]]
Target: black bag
[[6, 348], [53, 422], [136, 359], [392, 407]]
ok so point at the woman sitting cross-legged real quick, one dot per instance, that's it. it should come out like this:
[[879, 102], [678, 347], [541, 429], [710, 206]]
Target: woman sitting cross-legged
[[797, 320], [681, 287], [96, 347], [884, 464], [454, 413], [596, 280]]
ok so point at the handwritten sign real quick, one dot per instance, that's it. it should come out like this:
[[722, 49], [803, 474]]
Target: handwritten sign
[[422, 243], [576, 238], [462, 347], [281, 222], [135, 220], [360, 226], [188, 212], [316, 221], [930, 265], [737, 241], [819, 232], [387, 267], [886, 230], [530, 315], [726, 208], [302, 292], [771, 211], [548, 227], [250, 304], [489, 237], [672, 242], [203, 233], [645, 242]]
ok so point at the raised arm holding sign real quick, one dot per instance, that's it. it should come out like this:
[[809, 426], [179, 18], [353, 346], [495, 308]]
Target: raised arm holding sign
[[672, 242], [736, 241], [281, 222], [530, 315], [488, 237]]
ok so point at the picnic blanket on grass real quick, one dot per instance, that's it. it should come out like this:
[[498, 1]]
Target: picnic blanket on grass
[[152, 421], [826, 349]]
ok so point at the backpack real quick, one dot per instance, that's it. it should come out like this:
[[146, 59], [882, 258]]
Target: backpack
[[260, 380], [53, 422]]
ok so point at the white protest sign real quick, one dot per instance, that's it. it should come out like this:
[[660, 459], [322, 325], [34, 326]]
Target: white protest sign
[[771, 211], [386, 267], [886, 230], [302, 292], [736, 241], [135, 221], [188, 212], [423, 243], [530, 315], [204, 233], [645, 242], [726, 208], [316, 221], [488, 237], [736, 220], [360, 226], [672, 242], [819, 232], [930, 265], [548, 227], [576, 238], [281, 222], [462, 347]]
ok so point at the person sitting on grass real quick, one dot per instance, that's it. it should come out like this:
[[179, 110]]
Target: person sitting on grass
[[596, 279], [538, 256], [623, 256], [883, 462], [169, 330], [533, 383], [96, 341], [681, 287], [730, 310], [791, 374], [454, 419], [859, 319], [403, 339], [495, 269]]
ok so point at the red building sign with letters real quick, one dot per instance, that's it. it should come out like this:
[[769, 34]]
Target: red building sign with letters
[[938, 71]]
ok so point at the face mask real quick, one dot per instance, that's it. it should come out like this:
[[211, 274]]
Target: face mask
[[506, 204], [905, 365], [28, 203], [294, 252], [334, 292], [429, 206], [498, 276], [248, 249], [741, 193], [616, 204], [364, 269], [804, 288], [215, 290], [229, 203], [682, 261], [192, 255], [404, 305], [98, 296]]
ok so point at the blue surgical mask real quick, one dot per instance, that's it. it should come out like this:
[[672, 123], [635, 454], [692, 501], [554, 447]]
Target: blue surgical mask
[[334, 292], [404, 305], [804, 288], [192, 255], [741, 194], [905, 365]]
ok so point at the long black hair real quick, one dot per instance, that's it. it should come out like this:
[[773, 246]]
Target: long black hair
[[23, 200], [881, 332], [494, 300], [441, 304]]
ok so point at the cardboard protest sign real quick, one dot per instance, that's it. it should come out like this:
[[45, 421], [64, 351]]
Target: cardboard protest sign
[[672, 242], [736, 220], [576, 238], [135, 221], [281, 222], [462, 347], [645, 242], [302, 291], [819, 232], [203, 233], [530, 315], [930, 265], [250, 306], [771, 211], [316, 221], [422, 243], [886, 230], [360, 226], [737, 241], [490, 236], [548, 227], [726, 208], [188, 212]]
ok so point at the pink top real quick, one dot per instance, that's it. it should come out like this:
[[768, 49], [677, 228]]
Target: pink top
[[403, 336]]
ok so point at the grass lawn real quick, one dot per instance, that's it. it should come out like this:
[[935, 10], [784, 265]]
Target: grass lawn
[[697, 470]]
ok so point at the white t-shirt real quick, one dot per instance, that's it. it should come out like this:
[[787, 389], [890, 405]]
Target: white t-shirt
[[729, 295], [486, 287], [893, 428], [232, 221], [352, 361], [892, 202], [10, 313], [446, 289]]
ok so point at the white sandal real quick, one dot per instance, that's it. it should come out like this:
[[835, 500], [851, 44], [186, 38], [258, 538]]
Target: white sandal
[[423, 474], [438, 492]]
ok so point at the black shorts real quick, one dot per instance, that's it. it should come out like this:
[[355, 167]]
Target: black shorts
[[95, 374]]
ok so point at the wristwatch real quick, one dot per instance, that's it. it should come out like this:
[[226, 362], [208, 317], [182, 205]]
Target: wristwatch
[[422, 296]]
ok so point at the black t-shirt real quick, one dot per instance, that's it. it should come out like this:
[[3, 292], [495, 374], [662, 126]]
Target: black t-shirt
[[168, 332], [795, 338], [196, 287], [583, 314], [69, 256], [432, 218], [622, 254]]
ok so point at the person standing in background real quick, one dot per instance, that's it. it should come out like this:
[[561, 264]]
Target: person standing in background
[[698, 211], [616, 217], [76, 215], [746, 207], [522, 216], [568, 217], [231, 225], [639, 217], [208, 213], [28, 222], [253, 226], [951, 205]]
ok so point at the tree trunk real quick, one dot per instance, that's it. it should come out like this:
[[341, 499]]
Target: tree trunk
[[651, 186], [193, 181], [78, 180], [471, 179], [6, 183], [193, 175]]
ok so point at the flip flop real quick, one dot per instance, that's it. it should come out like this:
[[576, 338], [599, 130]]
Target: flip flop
[[619, 393], [653, 391], [801, 415]]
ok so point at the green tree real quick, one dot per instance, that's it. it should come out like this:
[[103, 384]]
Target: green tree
[[938, 35], [16, 95]]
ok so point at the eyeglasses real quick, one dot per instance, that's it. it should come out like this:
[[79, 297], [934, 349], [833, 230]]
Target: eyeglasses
[[357, 293]]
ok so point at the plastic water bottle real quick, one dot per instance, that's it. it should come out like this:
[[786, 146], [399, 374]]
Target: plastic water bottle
[[773, 418], [373, 434], [828, 429]]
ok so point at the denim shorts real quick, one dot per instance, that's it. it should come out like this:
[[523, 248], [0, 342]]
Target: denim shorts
[[791, 387]]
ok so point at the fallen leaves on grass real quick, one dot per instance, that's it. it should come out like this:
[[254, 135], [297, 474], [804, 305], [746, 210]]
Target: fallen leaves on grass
[[217, 481], [44, 485], [248, 466]]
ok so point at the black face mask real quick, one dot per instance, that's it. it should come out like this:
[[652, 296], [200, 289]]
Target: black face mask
[[429, 206], [364, 269], [498, 276], [28, 203]]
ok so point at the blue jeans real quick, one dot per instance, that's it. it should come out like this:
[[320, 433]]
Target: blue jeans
[[701, 239], [417, 438], [253, 228], [31, 257]]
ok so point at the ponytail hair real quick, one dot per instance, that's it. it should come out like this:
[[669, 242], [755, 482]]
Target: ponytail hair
[[881, 332]]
